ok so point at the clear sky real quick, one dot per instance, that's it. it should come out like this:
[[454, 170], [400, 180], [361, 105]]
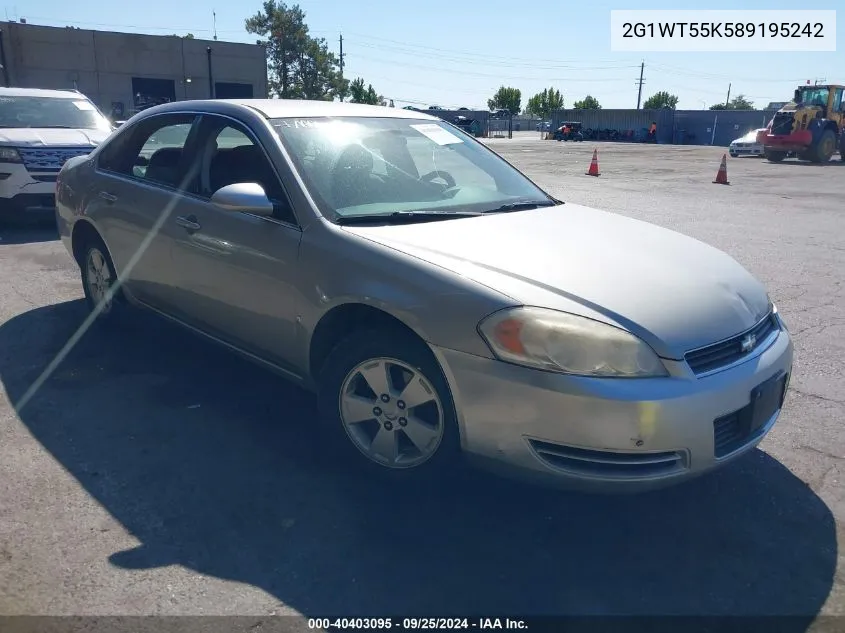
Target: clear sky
[[453, 53]]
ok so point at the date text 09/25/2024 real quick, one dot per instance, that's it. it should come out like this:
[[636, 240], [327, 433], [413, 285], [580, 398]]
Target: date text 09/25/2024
[[416, 624]]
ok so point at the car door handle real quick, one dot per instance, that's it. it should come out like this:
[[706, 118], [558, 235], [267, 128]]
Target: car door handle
[[189, 222], [108, 197]]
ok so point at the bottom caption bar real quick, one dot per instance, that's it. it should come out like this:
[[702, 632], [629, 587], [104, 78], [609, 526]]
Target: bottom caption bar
[[534, 624]]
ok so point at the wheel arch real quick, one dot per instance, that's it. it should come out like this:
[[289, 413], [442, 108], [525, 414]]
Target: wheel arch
[[342, 320], [84, 230], [830, 124], [345, 318]]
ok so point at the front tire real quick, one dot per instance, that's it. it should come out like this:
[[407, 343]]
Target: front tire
[[387, 407], [774, 156], [823, 150]]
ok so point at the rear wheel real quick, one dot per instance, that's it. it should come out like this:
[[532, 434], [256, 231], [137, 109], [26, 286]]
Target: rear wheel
[[99, 281], [842, 146], [823, 149], [774, 156]]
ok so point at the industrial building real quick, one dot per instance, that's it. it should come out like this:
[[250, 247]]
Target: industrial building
[[126, 72]]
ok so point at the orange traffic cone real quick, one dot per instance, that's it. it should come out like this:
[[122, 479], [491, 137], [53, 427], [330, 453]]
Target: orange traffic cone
[[594, 165], [722, 174]]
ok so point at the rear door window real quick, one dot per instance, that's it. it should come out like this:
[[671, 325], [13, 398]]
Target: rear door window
[[154, 151]]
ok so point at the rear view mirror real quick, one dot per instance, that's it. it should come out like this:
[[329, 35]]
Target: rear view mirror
[[243, 197]]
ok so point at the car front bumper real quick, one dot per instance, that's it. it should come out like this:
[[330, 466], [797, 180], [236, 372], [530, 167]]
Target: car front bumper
[[741, 150], [607, 435], [24, 195]]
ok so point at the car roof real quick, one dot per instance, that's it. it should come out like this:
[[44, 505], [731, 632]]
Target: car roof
[[294, 108], [41, 92]]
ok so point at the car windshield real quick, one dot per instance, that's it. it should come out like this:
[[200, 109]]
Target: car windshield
[[50, 112], [387, 166]]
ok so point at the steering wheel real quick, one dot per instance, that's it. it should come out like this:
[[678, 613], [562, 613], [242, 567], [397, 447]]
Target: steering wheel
[[445, 176]]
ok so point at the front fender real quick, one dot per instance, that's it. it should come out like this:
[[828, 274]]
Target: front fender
[[443, 308]]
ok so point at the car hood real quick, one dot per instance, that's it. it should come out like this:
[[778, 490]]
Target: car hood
[[675, 292], [51, 137]]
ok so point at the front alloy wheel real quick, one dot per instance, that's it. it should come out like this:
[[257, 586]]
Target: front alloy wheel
[[391, 412], [386, 406]]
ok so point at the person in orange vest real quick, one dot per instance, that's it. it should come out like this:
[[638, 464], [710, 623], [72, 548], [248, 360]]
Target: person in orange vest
[[652, 132]]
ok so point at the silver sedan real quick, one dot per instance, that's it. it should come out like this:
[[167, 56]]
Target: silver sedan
[[437, 301]]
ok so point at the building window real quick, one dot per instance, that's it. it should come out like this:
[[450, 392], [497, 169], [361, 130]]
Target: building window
[[151, 92]]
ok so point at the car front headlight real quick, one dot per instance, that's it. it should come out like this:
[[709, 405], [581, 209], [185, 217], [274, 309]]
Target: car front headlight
[[557, 341], [9, 155]]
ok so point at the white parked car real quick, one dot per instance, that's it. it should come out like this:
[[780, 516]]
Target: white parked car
[[747, 145], [39, 131]]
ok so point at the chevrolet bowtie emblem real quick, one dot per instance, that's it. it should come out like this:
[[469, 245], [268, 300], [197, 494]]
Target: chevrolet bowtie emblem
[[748, 343]]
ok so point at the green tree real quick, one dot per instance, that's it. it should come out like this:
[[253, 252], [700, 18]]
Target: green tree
[[739, 102], [301, 66], [359, 94], [507, 98], [587, 103], [660, 100], [544, 103]]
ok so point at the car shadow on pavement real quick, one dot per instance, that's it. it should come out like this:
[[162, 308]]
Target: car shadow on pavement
[[28, 234], [216, 465]]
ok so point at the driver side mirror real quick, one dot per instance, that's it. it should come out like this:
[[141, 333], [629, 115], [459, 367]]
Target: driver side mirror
[[243, 197]]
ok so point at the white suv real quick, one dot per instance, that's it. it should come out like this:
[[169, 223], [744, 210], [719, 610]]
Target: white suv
[[39, 131]]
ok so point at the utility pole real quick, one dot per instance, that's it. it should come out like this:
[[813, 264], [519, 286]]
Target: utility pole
[[341, 60], [728, 100], [640, 82]]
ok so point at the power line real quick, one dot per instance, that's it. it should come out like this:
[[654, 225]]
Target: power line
[[507, 58], [497, 76], [450, 54], [464, 59]]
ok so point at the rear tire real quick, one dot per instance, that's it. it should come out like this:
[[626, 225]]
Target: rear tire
[[375, 421], [842, 146], [98, 280], [823, 150], [774, 156]]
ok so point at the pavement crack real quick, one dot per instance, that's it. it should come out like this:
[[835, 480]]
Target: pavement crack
[[822, 452], [816, 396]]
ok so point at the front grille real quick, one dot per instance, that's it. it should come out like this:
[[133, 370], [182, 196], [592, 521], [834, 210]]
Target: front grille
[[49, 159], [712, 357], [609, 464], [782, 123]]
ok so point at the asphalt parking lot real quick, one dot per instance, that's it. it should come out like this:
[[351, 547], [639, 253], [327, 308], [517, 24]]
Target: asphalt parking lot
[[153, 473]]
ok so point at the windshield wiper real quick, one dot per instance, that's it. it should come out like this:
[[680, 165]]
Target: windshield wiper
[[57, 127], [523, 206], [399, 217]]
